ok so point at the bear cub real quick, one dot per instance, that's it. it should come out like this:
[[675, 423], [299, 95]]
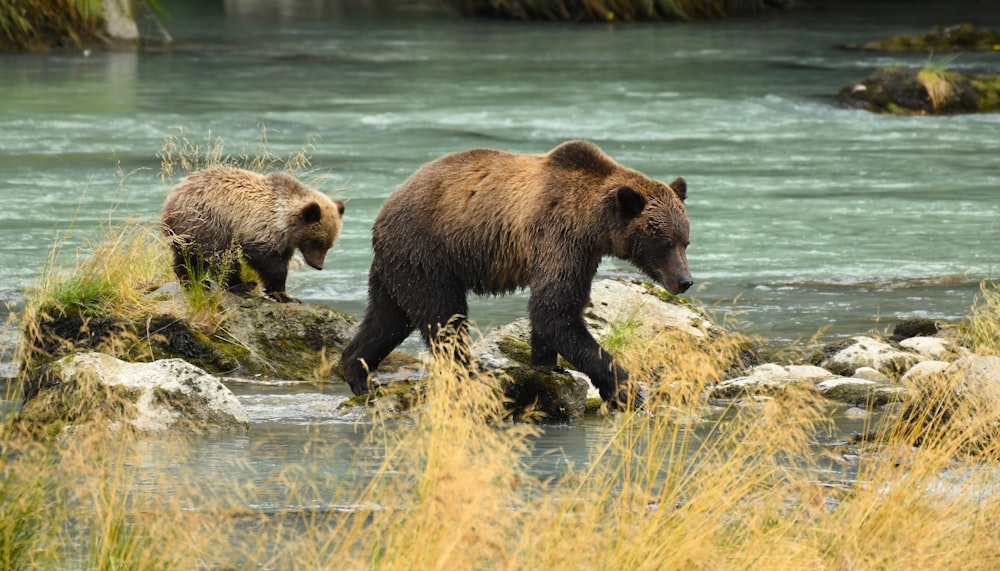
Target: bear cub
[[215, 217], [492, 222]]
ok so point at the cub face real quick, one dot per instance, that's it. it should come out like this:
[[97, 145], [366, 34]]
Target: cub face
[[318, 226], [655, 232]]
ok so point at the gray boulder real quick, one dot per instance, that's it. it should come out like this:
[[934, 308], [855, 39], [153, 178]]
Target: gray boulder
[[615, 300], [962, 399], [846, 357], [860, 392], [93, 388], [936, 348]]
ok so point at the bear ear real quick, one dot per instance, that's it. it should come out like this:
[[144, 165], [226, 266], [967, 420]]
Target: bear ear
[[340, 206], [630, 202], [311, 213], [680, 188]]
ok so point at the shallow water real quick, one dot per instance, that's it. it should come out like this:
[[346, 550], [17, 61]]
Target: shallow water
[[803, 215]]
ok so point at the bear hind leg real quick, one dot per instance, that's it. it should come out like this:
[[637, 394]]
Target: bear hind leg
[[384, 326], [444, 322]]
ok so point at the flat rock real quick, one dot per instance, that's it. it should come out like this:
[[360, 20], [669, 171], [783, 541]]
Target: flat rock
[[859, 392], [924, 370], [936, 348], [615, 300]]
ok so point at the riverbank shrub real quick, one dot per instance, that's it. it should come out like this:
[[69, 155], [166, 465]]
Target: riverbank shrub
[[43, 24]]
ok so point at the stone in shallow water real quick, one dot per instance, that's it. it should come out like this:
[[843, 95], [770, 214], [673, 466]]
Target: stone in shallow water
[[168, 394]]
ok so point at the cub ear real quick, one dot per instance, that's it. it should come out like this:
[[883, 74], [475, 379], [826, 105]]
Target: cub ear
[[629, 201], [340, 206], [311, 213], [680, 188]]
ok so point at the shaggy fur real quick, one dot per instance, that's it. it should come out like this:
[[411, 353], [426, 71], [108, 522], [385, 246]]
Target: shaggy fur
[[214, 216], [492, 222]]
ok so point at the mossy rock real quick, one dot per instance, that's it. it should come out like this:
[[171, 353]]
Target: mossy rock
[[540, 393], [284, 340], [923, 91], [957, 38], [250, 337]]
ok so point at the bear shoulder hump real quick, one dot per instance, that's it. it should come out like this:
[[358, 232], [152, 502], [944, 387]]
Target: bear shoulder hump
[[580, 155]]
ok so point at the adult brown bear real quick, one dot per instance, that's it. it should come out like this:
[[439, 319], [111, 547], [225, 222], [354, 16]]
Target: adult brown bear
[[492, 222], [216, 216]]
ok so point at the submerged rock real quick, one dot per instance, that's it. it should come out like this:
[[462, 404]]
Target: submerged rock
[[89, 388]]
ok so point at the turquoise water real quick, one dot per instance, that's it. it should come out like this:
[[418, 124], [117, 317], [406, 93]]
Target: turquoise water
[[803, 215], [810, 214]]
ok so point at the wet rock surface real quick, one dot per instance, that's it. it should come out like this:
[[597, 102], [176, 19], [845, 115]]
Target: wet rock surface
[[170, 394], [923, 91], [259, 339]]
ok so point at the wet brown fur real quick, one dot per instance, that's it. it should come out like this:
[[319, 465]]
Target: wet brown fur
[[493, 222], [214, 216]]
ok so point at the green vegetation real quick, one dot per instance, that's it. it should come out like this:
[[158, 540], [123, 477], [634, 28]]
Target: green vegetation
[[608, 10], [32, 25], [43, 24]]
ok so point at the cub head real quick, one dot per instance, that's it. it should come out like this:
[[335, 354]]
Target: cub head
[[651, 228], [317, 225]]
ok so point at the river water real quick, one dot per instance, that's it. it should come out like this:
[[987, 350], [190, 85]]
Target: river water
[[803, 215]]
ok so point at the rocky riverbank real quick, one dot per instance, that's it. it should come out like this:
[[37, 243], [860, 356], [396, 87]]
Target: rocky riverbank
[[162, 371]]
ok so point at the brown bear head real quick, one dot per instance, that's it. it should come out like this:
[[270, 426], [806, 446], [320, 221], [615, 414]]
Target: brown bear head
[[648, 225], [309, 219], [316, 227], [654, 231]]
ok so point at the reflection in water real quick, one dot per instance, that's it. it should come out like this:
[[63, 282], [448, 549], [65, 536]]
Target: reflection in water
[[290, 10]]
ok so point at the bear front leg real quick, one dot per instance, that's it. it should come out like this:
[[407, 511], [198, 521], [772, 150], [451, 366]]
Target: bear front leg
[[181, 267], [272, 267], [235, 283], [561, 326]]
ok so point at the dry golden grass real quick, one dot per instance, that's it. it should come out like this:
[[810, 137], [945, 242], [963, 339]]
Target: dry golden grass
[[980, 329], [939, 88], [455, 492]]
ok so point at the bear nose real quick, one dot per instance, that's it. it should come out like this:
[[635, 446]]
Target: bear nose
[[685, 284]]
